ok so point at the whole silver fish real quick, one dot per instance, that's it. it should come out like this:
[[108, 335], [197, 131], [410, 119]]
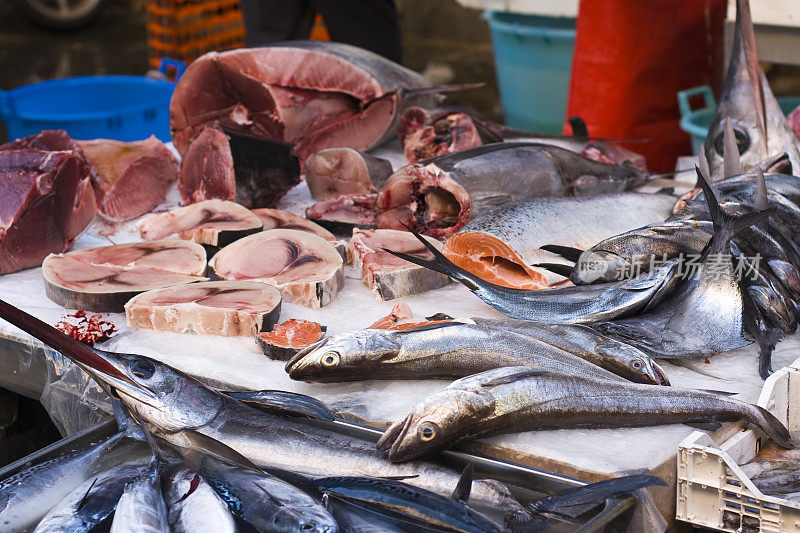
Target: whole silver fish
[[193, 506], [92, 502], [758, 123], [264, 501], [461, 348], [170, 402], [141, 507], [26, 496], [523, 398]]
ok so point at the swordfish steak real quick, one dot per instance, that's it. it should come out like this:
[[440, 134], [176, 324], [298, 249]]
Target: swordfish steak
[[103, 279], [311, 94], [46, 201]]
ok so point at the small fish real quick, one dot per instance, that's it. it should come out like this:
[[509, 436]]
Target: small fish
[[523, 398], [461, 348], [194, 506], [574, 502], [417, 506], [264, 501], [26, 496], [93, 501], [141, 507]]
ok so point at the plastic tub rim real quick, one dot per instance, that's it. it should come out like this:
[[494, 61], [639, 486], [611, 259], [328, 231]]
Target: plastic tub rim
[[520, 30], [115, 79]]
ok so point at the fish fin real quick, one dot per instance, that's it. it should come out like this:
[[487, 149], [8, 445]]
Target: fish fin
[[85, 497], [400, 478], [761, 201], [567, 252], [464, 485], [555, 268], [151, 441], [578, 127], [773, 427], [669, 191], [284, 402], [704, 426], [731, 163], [427, 327], [766, 337], [511, 378], [125, 422], [197, 442], [439, 316], [574, 502], [702, 161], [720, 392]]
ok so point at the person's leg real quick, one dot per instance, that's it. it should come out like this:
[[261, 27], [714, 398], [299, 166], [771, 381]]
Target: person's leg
[[370, 24], [268, 21]]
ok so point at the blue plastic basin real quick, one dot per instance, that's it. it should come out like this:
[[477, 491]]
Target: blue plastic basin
[[125, 108], [533, 60]]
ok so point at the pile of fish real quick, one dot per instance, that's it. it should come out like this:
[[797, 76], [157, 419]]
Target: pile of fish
[[251, 455]]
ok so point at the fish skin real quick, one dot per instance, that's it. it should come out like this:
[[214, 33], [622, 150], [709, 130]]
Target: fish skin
[[264, 501], [520, 399], [26, 496], [570, 305], [99, 495], [461, 348], [194, 506], [749, 103], [415, 505], [355, 519], [141, 508]]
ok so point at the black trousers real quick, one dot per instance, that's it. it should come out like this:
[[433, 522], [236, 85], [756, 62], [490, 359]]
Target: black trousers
[[370, 24]]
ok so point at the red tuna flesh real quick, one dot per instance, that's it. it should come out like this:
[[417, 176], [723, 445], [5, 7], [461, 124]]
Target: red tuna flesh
[[425, 136], [46, 201], [314, 95], [130, 178]]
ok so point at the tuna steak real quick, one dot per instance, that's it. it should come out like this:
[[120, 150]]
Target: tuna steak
[[504, 246], [230, 166], [277, 219], [311, 94], [344, 213], [211, 222], [230, 308], [306, 268], [388, 276], [338, 171], [286, 339], [130, 178], [439, 196], [46, 201], [103, 279]]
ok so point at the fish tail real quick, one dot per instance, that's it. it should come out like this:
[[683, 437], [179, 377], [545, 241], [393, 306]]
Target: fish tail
[[773, 427], [441, 264]]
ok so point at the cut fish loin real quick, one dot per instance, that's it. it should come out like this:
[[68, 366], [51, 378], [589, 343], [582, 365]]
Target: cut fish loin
[[103, 279], [425, 136], [305, 267], [338, 171], [211, 222], [129, 178], [229, 308], [390, 277], [231, 166], [311, 94], [46, 201], [344, 213], [288, 338], [277, 219]]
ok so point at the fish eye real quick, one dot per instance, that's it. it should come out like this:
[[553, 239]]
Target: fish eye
[[330, 359], [742, 140], [307, 527], [637, 365], [427, 431], [143, 369]]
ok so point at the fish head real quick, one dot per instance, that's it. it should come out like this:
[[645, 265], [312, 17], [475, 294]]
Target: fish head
[[162, 396], [599, 266], [343, 354], [435, 423], [630, 362], [748, 104], [303, 519]]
